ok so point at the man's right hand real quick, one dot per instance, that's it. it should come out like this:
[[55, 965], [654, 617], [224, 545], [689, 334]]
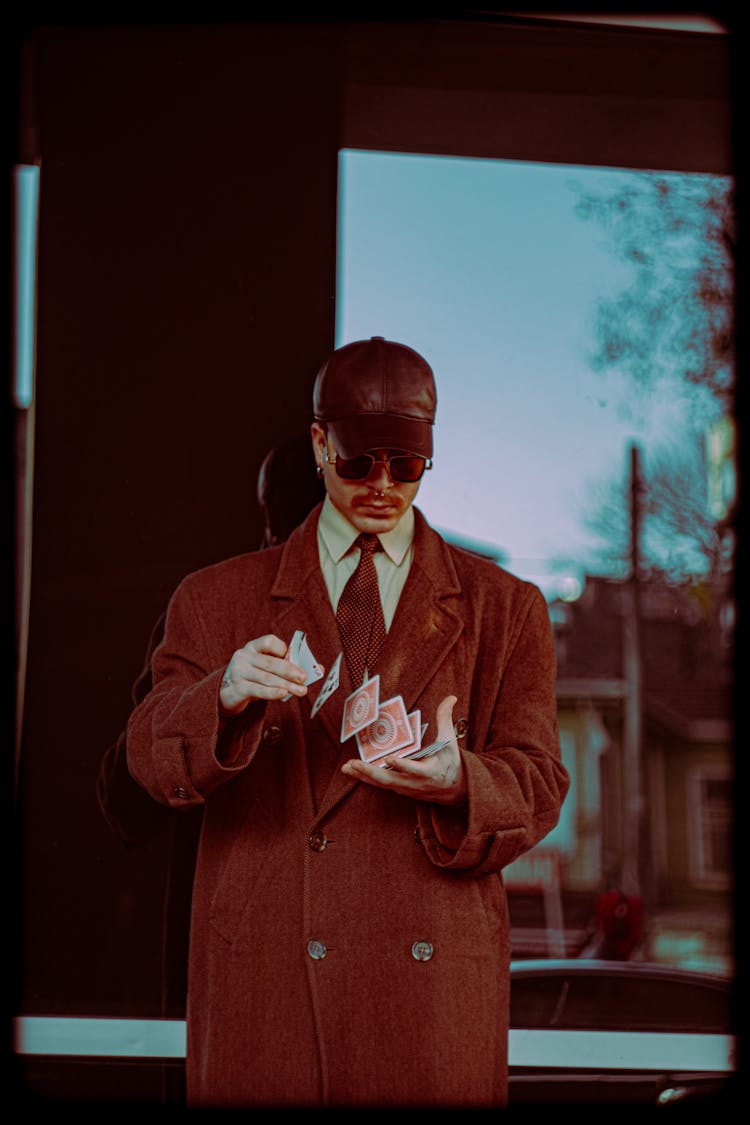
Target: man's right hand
[[259, 671]]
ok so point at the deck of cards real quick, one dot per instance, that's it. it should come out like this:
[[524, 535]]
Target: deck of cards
[[382, 730]]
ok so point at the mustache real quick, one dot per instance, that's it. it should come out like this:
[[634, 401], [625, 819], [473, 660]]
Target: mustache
[[366, 499]]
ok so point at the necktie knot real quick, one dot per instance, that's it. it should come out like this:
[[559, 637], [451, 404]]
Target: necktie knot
[[368, 544]]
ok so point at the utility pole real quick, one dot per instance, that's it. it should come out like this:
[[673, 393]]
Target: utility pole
[[633, 803]]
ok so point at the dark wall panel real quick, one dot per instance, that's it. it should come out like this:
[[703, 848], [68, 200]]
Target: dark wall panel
[[542, 90], [186, 297]]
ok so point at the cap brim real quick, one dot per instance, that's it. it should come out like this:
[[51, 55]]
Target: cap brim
[[361, 432]]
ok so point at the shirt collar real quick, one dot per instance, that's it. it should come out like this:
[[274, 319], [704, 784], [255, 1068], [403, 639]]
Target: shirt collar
[[339, 535]]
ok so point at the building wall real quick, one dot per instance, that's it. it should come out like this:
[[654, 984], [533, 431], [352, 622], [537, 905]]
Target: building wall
[[682, 879]]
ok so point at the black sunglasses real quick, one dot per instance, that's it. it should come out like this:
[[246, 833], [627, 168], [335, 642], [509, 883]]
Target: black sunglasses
[[402, 466]]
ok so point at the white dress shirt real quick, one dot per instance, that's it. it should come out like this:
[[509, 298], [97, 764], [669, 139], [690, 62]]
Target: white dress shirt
[[339, 556]]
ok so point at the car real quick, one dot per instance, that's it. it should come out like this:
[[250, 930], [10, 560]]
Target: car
[[581, 1031], [587, 1030]]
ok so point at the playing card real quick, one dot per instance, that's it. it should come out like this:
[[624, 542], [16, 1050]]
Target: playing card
[[423, 752], [428, 751], [299, 653], [360, 708], [294, 646], [417, 730], [390, 731], [307, 662], [329, 687]]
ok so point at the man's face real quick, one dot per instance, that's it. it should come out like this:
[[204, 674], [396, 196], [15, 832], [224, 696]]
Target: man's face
[[373, 505]]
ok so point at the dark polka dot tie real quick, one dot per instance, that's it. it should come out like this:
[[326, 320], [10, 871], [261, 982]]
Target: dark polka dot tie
[[360, 613]]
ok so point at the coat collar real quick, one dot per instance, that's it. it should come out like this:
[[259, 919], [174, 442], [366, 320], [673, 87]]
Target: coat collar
[[426, 626]]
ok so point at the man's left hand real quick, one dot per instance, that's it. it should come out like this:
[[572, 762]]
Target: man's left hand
[[439, 778]]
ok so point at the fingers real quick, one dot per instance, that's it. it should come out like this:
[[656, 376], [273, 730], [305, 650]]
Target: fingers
[[267, 658], [444, 717], [432, 774], [259, 670], [270, 644]]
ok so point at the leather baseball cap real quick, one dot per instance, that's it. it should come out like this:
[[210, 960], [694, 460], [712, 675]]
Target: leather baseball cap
[[376, 394]]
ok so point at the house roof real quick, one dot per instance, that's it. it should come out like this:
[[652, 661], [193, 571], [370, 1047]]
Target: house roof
[[686, 666]]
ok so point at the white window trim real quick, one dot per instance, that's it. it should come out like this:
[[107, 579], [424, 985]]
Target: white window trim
[[697, 861], [607, 1050]]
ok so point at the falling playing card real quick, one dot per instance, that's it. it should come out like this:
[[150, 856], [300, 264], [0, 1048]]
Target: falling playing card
[[329, 687], [390, 731], [299, 653], [360, 708]]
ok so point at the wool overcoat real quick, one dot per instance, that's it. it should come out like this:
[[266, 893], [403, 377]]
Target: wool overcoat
[[350, 946]]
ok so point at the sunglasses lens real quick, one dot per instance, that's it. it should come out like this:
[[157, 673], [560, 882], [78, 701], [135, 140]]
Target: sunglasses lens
[[356, 468], [407, 469]]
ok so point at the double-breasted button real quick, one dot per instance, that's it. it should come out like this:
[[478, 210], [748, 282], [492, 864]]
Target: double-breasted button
[[317, 840], [422, 950], [316, 949], [181, 792], [461, 727], [271, 735]]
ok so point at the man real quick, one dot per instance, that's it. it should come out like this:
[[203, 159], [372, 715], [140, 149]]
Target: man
[[350, 938]]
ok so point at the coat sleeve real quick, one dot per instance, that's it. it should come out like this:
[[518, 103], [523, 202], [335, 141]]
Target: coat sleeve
[[516, 780], [178, 747]]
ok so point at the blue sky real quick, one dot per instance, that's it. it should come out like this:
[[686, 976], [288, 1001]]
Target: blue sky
[[484, 267]]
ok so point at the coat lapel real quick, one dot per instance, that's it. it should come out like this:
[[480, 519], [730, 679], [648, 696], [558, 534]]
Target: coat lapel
[[427, 622], [302, 602]]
